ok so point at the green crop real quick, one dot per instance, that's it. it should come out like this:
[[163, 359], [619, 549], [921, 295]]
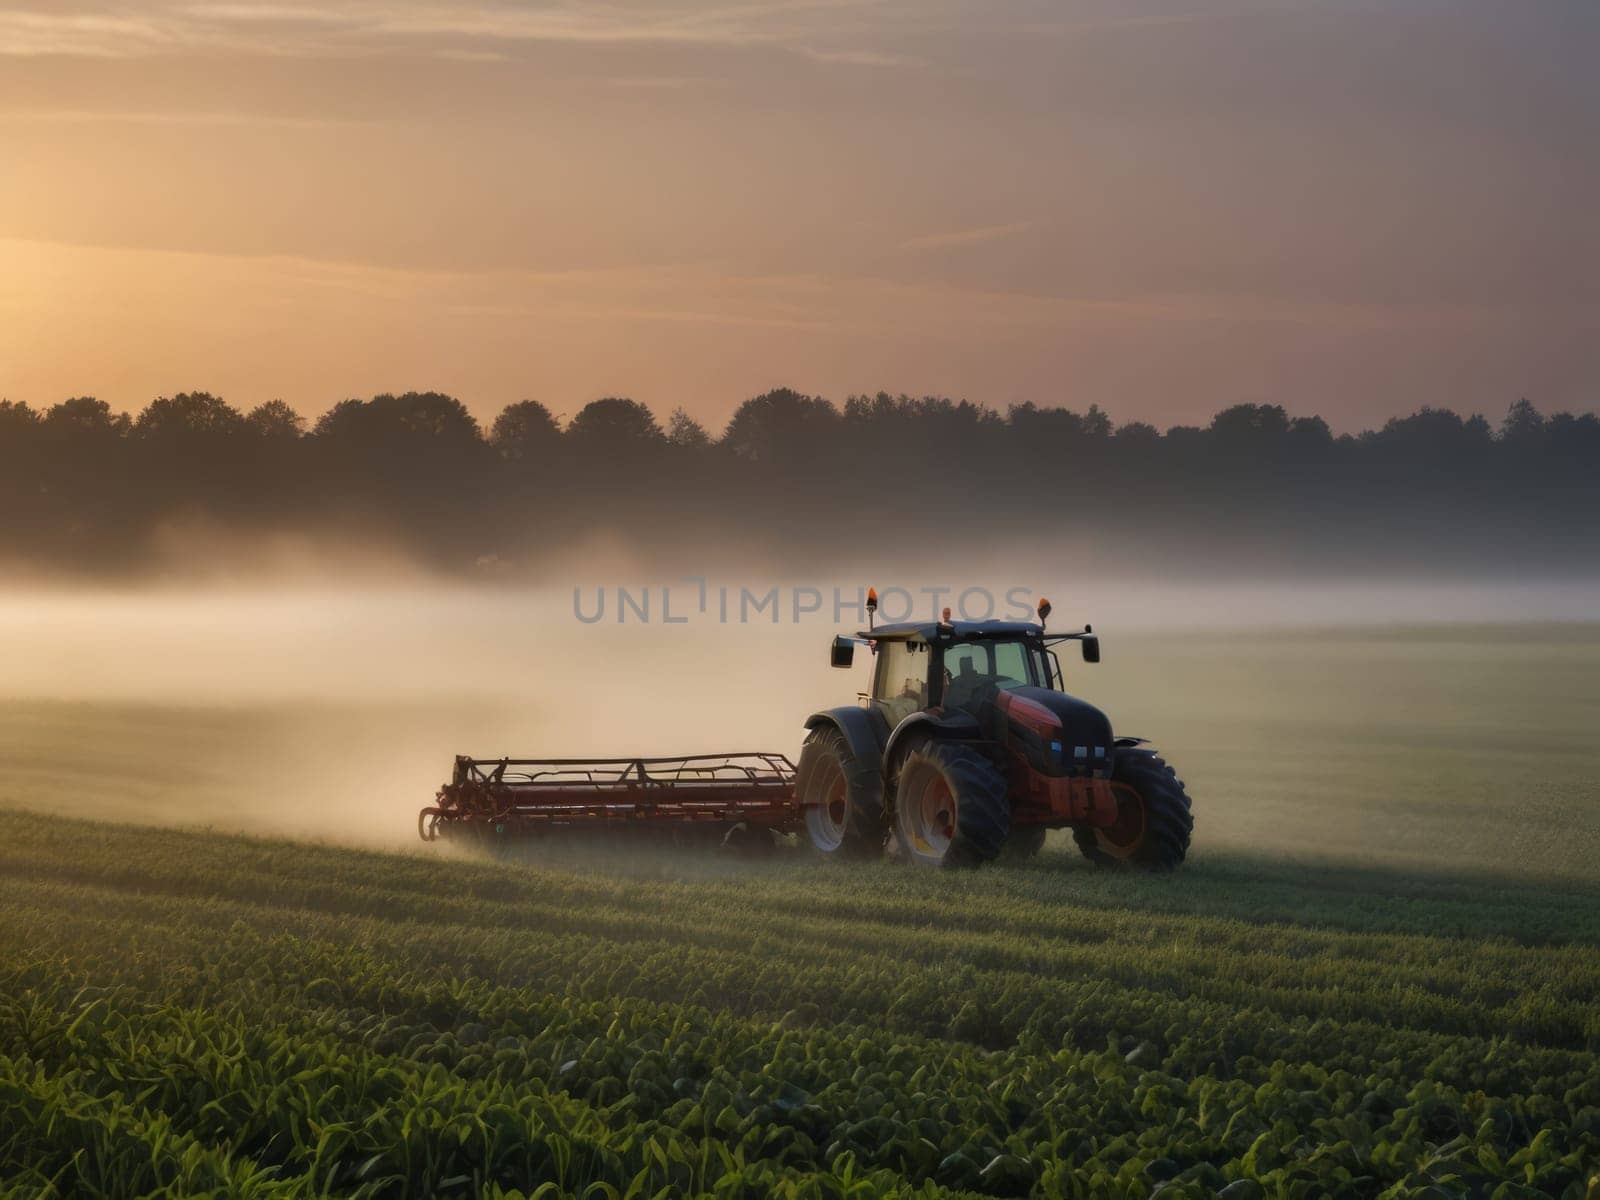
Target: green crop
[[187, 1014]]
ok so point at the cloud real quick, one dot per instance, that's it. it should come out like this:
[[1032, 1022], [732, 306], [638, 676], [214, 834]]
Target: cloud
[[966, 237], [659, 82], [266, 13], [854, 58], [707, 294], [74, 116], [368, 27], [471, 56], [90, 35], [364, 27], [1071, 26]]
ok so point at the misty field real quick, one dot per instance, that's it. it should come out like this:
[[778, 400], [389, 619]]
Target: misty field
[[1446, 747], [1377, 975]]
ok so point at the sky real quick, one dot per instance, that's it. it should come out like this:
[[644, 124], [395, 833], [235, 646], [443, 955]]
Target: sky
[[1348, 207]]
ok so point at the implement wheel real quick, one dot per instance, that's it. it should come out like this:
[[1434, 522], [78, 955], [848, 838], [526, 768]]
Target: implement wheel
[[750, 841], [843, 797], [1151, 833], [951, 807]]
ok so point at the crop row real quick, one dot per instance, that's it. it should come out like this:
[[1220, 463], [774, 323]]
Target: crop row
[[196, 1013], [412, 1002], [380, 1102], [762, 973], [1541, 996], [1481, 987]]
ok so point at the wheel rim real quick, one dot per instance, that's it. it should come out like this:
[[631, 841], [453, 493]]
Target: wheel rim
[[1124, 837], [825, 818], [926, 813]]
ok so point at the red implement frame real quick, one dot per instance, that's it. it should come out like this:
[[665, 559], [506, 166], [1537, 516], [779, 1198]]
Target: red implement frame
[[524, 795]]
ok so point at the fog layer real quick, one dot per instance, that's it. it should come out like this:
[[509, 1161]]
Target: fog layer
[[1442, 726]]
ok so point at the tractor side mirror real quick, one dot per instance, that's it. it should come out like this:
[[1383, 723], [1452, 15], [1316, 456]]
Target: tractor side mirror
[[842, 653], [1091, 649]]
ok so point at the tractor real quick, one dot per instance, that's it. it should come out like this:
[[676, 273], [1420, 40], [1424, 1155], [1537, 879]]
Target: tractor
[[968, 748]]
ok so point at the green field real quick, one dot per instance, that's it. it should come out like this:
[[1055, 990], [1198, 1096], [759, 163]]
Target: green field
[[201, 1012], [1377, 976]]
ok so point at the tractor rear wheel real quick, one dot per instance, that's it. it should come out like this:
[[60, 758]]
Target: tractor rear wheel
[[951, 806], [1152, 834], [842, 796], [1024, 843]]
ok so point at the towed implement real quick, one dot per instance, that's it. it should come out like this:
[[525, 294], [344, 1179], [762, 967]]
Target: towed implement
[[967, 748], [714, 793]]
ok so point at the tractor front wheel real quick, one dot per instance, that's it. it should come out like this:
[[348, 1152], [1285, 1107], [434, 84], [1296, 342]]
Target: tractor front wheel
[[842, 797], [951, 807], [1151, 832]]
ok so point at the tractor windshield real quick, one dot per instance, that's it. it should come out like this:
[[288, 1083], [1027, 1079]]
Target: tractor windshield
[[1004, 664], [900, 685]]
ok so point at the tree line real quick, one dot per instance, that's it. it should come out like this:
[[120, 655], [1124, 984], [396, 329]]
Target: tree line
[[801, 481]]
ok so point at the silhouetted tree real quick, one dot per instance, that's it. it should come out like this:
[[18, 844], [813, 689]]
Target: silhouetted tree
[[190, 453], [275, 419], [1523, 424], [1575, 433], [433, 414], [1250, 426], [83, 478], [19, 471], [1047, 424], [16, 417], [685, 432], [86, 417], [82, 435], [525, 429], [615, 422], [1431, 431], [188, 415], [778, 423], [1137, 434], [410, 417], [1310, 432], [1186, 440], [1431, 444], [343, 420]]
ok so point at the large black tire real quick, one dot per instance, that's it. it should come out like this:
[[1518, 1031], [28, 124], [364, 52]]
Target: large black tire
[[842, 797], [933, 777], [1024, 843], [1155, 838]]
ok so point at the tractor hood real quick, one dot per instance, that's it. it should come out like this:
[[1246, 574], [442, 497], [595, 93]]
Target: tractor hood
[[1062, 733]]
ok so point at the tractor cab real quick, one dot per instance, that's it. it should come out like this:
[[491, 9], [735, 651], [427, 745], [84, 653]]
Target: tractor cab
[[955, 664], [938, 665]]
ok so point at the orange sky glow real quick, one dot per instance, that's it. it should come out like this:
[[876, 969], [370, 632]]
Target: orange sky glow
[[1161, 207]]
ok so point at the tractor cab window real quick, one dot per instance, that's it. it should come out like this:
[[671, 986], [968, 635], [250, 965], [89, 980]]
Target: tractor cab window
[[900, 686], [972, 665]]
